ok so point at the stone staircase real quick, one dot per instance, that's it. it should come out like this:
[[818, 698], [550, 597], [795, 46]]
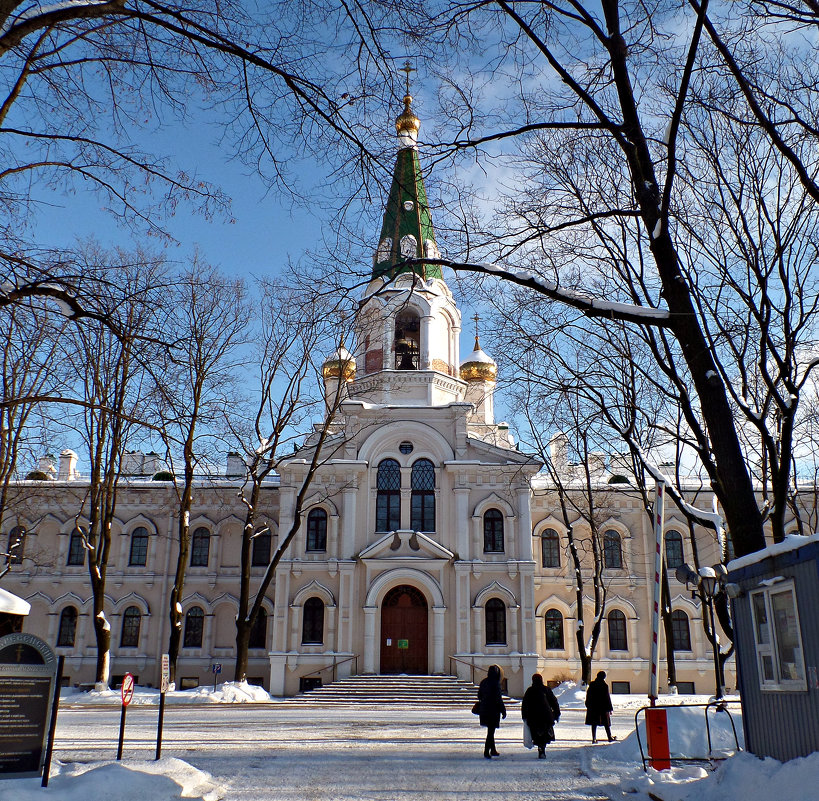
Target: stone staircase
[[394, 690]]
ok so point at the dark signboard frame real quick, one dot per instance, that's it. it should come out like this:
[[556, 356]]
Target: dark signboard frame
[[27, 688]]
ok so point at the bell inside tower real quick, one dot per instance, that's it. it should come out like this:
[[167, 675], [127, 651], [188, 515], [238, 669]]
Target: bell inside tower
[[407, 340]]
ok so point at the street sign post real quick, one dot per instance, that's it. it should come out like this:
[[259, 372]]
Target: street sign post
[[217, 669], [127, 693], [164, 684]]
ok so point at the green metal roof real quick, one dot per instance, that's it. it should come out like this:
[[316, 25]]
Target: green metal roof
[[406, 215]]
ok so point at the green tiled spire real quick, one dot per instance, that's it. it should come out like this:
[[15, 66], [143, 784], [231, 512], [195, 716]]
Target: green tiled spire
[[407, 231]]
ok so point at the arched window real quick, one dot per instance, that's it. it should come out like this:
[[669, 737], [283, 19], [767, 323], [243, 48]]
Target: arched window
[[617, 631], [260, 554], [388, 498], [493, 531], [680, 632], [131, 620], [317, 530], [258, 631], [612, 550], [68, 628], [16, 546], [76, 549], [673, 549], [550, 548], [407, 339], [194, 627], [422, 504], [495, 622], [200, 547], [554, 630], [312, 631], [139, 547]]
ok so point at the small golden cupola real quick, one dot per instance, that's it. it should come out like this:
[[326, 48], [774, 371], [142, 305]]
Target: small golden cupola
[[480, 371], [338, 369], [479, 366]]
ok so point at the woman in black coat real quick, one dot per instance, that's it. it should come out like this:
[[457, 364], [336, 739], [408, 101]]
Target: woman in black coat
[[491, 707], [598, 706], [540, 711]]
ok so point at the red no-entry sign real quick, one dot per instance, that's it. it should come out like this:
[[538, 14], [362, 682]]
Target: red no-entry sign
[[127, 689]]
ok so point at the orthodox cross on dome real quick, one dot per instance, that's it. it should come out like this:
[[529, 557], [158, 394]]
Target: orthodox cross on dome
[[477, 319], [407, 68]]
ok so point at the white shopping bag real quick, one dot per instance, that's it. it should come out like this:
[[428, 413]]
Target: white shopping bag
[[527, 736]]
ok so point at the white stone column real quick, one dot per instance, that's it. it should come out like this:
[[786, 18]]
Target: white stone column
[[370, 613], [332, 537], [510, 545], [514, 628], [462, 522], [438, 620], [332, 618], [346, 610], [425, 345], [477, 537], [477, 629], [525, 524], [348, 520]]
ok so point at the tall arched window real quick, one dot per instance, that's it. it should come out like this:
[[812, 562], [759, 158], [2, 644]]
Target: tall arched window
[[76, 549], [422, 505], [612, 550], [194, 627], [618, 641], [312, 630], [407, 337], [493, 531], [554, 630], [673, 549], [139, 547], [131, 620], [68, 628], [260, 553], [317, 530], [550, 548], [495, 612], [388, 497], [16, 545], [200, 547], [258, 632], [681, 634]]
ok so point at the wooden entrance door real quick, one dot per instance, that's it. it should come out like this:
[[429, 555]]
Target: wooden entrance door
[[404, 631]]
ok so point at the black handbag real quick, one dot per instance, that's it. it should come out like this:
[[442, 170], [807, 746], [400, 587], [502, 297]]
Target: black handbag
[[476, 709]]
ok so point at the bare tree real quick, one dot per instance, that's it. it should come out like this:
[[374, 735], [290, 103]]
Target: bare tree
[[111, 391], [205, 325]]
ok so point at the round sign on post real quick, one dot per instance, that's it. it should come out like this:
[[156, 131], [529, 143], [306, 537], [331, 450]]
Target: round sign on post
[[127, 689]]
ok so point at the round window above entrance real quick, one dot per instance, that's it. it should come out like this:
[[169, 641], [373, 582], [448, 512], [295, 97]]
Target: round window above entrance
[[405, 447]]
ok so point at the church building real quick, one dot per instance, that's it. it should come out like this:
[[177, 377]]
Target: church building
[[429, 544]]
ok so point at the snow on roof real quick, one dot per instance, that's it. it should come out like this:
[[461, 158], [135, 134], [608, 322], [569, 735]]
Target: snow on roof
[[790, 543], [12, 605]]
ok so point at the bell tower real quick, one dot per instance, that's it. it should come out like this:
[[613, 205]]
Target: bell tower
[[408, 326]]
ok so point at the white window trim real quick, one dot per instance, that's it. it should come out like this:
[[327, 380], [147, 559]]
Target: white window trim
[[771, 648]]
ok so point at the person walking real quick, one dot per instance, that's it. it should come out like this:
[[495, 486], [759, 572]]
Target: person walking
[[540, 711], [491, 707], [598, 706]]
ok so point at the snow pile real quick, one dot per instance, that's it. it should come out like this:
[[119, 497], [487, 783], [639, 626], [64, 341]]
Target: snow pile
[[743, 777], [687, 735], [571, 695], [231, 692], [168, 779]]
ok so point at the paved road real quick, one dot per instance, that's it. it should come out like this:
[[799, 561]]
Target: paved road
[[284, 753]]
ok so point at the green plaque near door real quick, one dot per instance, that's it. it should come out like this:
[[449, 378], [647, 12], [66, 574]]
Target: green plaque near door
[[403, 644]]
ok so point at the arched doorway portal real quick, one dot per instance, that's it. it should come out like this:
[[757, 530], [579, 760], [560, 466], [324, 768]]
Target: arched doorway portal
[[404, 631]]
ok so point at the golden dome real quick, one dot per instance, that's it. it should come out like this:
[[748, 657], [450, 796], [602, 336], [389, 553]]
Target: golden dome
[[407, 123], [478, 366], [340, 365]]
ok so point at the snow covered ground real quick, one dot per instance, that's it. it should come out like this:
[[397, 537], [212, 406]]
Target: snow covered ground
[[237, 745]]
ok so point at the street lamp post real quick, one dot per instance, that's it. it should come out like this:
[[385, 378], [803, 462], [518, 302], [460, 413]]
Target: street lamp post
[[708, 580]]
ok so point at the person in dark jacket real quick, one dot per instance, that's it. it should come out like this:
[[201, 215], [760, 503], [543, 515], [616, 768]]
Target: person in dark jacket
[[598, 706], [540, 711], [491, 707]]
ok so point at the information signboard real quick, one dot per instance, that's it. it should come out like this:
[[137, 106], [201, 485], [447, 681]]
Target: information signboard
[[165, 678], [403, 644], [28, 671]]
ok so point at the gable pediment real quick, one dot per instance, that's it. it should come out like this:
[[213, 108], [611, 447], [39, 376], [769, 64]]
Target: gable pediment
[[405, 544]]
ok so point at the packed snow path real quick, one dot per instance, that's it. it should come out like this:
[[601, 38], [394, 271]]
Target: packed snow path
[[277, 752]]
